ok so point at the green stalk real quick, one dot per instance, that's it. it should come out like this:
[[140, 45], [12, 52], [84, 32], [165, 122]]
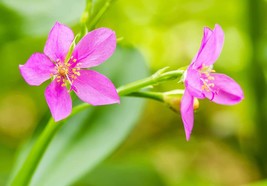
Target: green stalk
[[158, 77], [24, 175], [99, 14], [158, 96], [85, 18]]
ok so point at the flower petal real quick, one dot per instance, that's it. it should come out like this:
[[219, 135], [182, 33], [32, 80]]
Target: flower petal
[[37, 69], [95, 88], [228, 92], [187, 113], [96, 47], [211, 47], [58, 100], [207, 33], [193, 83], [58, 42]]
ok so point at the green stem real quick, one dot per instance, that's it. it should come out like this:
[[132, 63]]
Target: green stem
[[150, 81], [85, 18], [100, 14], [86, 15], [158, 96], [25, 173], [88, 21]]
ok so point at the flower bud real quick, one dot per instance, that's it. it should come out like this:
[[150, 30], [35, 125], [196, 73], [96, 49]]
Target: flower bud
[[173, 100]]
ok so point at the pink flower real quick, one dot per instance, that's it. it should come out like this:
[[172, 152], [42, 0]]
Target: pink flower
[[90, 86], [201, 81]]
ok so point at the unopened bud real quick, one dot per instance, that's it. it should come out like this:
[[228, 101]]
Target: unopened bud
[[196, 104], [173, 100]]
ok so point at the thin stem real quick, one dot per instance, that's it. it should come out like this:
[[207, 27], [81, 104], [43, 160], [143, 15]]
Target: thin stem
[[25, 173], [87, 12], [85, 18], [88, 21], [158, 96], [100, 14], [150, 81]]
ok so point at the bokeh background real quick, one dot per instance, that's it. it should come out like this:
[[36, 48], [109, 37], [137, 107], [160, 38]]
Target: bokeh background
[[228, 145]]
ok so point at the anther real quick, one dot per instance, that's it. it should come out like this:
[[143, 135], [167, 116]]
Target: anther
[[204, 87], [211, 78], [211, 85]]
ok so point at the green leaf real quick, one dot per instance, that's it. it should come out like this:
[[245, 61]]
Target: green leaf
[[92, 135], [123, 173]]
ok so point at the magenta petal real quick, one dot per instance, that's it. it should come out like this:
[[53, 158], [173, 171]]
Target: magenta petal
[[58, 42], [193, 83], [211, 47], [228, 92], [58, 100], [96, 47], [37, 69], [207, 33], [95, 88], [187, 113]]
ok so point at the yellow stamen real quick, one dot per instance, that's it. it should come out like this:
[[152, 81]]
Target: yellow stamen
[[211, 85], [211, 78]]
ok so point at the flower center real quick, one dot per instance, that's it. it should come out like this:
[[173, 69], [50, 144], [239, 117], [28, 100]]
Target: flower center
[[63, 70], [67, 72]]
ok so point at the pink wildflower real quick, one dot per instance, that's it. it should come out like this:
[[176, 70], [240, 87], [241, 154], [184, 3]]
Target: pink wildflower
[[201, 81], [90, 86]]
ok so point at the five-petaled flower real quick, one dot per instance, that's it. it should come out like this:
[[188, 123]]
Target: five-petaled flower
[[201, 81], [69, 74]]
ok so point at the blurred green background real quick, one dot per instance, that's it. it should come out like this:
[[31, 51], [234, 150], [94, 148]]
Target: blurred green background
[[228, 145]]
